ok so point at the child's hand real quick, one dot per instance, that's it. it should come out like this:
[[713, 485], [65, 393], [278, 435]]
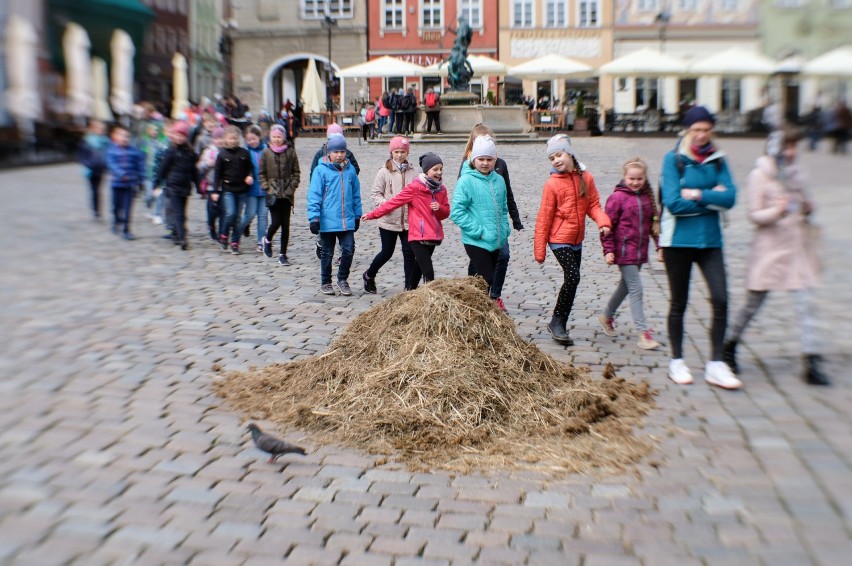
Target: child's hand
[[605, 231], [214, 197], [249, 180], [364, 217], [609, 258], [434, 205], [720, 188], [690, 194], [660, 255]]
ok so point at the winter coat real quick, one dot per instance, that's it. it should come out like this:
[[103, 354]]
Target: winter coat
[[256, 189], [207, 168], [424, 223], [321, 154], [178, 170], [562, 212], [233, 165], [383, 109], [387, 185], [279, 173], [92, 153], [632, 216], [502, 169], [688, 223], [335, 197], [782, 254], [126, 166], [408, 103], [479, 209]]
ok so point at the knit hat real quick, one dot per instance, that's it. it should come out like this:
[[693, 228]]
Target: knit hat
[[429, 160], [336, 142], [399, 142], [559, 142], [218, 133], [483, 146], [278, 128], [181, 128], [698, 114], [333, 129]]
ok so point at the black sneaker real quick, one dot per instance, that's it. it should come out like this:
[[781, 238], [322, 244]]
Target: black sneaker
[[267, 247], [282, 259], [223, 241], [235, 249], [369, 283], [184, 245]]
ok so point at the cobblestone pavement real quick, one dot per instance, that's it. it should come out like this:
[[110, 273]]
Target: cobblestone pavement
[[115, 451]]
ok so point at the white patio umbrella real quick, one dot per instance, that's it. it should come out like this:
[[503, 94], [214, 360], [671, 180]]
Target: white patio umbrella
[[482, 66], [645, 63], [121, 91], [734, 62], [180, 86], [383, 67], [22, 96], [313, 89], [834, 64], [78, 72], [100, 91], [548, 68]]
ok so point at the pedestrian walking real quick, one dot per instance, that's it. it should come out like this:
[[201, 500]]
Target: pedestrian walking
[[92, 155], [569, 195], [390, 180], [479, 208], [126, 166], [783, 252], [334, 212], [153, 143], [234, 177], [279, 175], [206, 170], [502, 169], [256, 199], [635, 224], [696, 187], [428, 205], [178, 173]]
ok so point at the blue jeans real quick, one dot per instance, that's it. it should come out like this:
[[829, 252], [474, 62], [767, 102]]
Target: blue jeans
[[347, 251], [391, 120], [382, 121], [232, 204], [499, 271], [122, 206], [256, 206]]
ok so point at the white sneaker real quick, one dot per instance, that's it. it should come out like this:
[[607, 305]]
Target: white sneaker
[[158, 220], [679, 372], [720, 375]]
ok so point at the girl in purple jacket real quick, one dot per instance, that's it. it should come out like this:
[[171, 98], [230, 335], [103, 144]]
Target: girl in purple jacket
[[633, 213]]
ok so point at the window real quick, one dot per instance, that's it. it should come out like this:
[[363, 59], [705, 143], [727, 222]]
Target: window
[[731, 94], [555, 14], [522, 13], [648, 5], [316, 9], [472, 10], [394, 13], [646, 94], [432, 13], [589, 13], [690, 5], [730, 5]]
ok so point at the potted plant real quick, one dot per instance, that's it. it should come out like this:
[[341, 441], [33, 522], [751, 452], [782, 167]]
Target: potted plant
[[581, 123]]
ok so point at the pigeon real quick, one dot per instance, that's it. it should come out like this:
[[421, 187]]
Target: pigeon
[[271, 445]]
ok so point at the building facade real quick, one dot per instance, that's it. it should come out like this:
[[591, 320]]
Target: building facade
[[168, 34], [578, 29], [205, 61], [273, 41], [423, 32]]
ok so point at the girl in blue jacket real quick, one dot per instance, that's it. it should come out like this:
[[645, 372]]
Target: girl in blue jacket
[[696, 189]]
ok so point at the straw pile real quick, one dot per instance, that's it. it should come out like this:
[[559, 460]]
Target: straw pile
[[439, 378]]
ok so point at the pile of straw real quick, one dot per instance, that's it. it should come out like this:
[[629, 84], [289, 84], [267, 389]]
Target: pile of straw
[[439, 378]]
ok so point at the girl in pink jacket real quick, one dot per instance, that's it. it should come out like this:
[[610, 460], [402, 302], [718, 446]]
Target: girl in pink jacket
[[428, 205]]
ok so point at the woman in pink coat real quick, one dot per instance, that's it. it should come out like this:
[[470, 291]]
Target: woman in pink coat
[[782, 255]]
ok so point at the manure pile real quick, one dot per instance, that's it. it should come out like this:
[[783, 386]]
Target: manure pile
[[438, 378]]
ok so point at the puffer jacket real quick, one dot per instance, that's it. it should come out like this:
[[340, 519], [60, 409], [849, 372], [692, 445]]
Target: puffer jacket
[[387, 185], [687, 223], [279, 173], [126, 165], [479, 209], [424, 223], [233, 165], [562, 213], [632, 216], [178, 170], [335, 197], [256, 189]]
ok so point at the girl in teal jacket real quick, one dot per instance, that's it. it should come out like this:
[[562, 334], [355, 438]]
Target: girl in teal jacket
[[479, 208]]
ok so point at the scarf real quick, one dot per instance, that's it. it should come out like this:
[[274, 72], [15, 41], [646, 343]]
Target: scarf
[[404, 166], [703, 152], [433, 185], [278, 149]]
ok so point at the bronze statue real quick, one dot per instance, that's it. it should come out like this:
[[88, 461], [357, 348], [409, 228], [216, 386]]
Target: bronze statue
[[459, 71]]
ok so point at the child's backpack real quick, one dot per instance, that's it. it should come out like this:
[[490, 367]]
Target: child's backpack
[[370, 116], [431, 99]]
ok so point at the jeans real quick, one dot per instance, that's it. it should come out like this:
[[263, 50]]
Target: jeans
[[483, 262], [711, 261], [232, 204], [569, 260], [160, 204], [391, 120], [400, 122], [256, 206], [214, 212], [630, 284], [347, 251], [382, 121], [122, 206], [499, 271], [422, 265], [280, 213], [95, 188], [177, 211], [388, 238], [408, 126]]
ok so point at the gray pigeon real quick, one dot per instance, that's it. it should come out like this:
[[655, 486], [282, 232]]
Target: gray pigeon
[[271, 445]]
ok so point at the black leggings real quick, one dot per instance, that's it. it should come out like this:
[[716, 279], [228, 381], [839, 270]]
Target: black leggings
[[483, 262], [423, 264], [388, 238], [569, 260], [711, 261], [280, 218]]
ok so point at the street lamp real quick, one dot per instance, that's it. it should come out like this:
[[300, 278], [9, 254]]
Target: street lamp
[[662, 20], [329, 24]]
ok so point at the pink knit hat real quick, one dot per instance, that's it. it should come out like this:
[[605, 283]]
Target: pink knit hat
[[333, 129], [181, 128], [399, 142]]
